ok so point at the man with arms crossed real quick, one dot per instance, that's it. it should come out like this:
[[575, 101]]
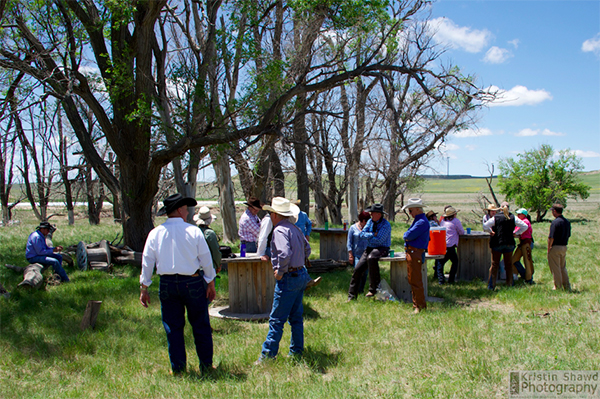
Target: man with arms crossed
[[183, 261]]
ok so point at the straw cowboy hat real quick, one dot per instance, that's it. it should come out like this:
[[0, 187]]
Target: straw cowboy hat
[[449, 212], [491, 207], [204, 217], [414, 203], [174, 202], [283, 207], [430, 214]]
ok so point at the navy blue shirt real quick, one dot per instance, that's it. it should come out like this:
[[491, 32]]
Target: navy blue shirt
[[418, 234]]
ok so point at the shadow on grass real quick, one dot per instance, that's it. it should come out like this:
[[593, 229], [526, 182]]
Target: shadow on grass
[[222, 372], [310, 313], [46, 323], [320, 361]]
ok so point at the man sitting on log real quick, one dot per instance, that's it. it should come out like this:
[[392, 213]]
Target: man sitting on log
[[38, 251]]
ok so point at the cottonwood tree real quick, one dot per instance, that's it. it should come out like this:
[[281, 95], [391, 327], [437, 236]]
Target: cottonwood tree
[[108, 55], [540, 177]]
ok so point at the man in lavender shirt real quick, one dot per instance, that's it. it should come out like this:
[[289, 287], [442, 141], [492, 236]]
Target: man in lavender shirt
[[289, 250]]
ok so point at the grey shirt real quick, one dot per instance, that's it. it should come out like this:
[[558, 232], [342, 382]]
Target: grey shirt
[[289, 247]]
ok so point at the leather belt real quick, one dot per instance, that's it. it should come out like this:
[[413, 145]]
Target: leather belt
[[294, 269]]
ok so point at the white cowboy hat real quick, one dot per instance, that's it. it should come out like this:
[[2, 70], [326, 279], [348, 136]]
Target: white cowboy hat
[[204, 217], [414, 203], [283, 207]]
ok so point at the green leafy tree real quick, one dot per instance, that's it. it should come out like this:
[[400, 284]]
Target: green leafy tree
[[538, 178]]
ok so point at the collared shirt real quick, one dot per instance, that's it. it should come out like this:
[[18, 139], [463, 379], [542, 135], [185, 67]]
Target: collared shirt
[[176, 247], [266, 227], [304, 223], [377, 234], [560, 231], [418, 234], [454, 228], [289, 247], [36, 245], [249, 227], [355, 243]]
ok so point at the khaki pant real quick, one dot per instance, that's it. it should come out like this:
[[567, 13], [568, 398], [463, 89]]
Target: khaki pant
[[524, 251], [414, 260], [557, 260]]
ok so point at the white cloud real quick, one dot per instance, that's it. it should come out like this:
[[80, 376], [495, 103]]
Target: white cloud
[[527, 132], [471, 147], [517, 96], [592, 45], [497, 55], [446, 32], [586, 154], [534, 132], [472, 133], [547, 132], [515, 43]]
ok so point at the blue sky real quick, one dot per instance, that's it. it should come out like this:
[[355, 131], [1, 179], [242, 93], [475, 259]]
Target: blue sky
[[544, 56]]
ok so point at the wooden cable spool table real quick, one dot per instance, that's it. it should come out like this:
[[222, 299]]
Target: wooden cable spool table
[[251, 288], [333, 243], [399, 276], [474, 256]]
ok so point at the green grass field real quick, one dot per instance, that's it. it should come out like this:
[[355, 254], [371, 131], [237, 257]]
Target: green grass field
[[463, 347]]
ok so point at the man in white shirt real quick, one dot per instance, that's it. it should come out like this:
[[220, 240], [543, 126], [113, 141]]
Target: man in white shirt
[[184, 263]]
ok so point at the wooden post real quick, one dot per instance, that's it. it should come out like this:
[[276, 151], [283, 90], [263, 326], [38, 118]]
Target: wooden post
[[91, 313]]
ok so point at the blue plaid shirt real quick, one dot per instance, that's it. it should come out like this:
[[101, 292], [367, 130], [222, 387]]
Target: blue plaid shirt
[[377, 234]]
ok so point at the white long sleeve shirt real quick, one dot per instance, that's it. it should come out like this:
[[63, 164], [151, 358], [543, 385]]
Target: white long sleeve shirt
[[176, 247], [487, 226], [266, 226]]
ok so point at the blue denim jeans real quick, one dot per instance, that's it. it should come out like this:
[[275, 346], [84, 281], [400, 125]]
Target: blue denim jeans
[[179, 294], [54, 260], [287, 306]]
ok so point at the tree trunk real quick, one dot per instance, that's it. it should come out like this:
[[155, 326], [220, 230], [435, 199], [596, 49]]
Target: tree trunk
[[389, 198], [226, 196], [300, 141]]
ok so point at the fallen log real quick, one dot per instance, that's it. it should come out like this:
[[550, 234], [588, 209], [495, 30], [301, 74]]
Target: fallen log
[[325, 265], [33, 277]]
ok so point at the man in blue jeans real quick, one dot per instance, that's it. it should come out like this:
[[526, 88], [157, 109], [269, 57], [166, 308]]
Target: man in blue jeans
[[184, 263], [37, 251], [289, 250]]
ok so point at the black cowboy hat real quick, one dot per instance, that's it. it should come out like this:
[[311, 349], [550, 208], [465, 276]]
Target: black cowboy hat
[[174, 202], [376, 208], [46, 225], [254, 202]]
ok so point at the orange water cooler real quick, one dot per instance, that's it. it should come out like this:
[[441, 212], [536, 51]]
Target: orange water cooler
[[437, 241]]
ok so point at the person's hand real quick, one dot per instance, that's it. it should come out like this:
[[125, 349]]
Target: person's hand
[[351, 258], [277, 276], [211, 293], [144, 297], [57, 249], [264, 258]]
